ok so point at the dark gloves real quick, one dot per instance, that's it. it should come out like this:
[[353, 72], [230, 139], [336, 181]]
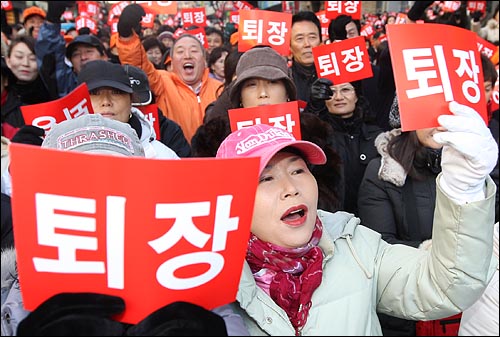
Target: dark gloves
[[417, 11], [320, 90], [130, 18], [75, 314], [29, 134], [476, 16], [180, 319], [56, 9]]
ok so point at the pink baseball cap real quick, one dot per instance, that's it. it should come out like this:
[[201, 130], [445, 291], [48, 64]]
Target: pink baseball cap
[[264, 141]]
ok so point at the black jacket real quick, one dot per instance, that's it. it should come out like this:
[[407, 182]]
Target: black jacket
[[353, 140]]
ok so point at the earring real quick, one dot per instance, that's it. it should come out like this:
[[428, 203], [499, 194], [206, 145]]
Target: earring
[[288, 99], [130, 116], [241, 105]]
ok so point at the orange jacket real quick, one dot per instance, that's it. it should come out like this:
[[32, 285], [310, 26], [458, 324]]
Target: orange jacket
[[176, 99]]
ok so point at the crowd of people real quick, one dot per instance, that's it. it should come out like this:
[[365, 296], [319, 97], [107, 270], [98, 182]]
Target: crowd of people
[[359, 228]]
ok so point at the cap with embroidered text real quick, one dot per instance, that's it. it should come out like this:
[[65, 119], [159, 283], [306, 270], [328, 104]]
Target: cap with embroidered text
[[96, 134], [264, 141], [140, 84]]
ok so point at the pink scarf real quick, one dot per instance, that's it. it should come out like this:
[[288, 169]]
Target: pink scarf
[[293, 273]]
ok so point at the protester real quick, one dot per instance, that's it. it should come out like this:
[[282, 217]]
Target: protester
[[12, 118], [182, 94], [28, 84], [33, 18], [309, 272], [111, 96], [52, 53], [262, 79], [215, 38], [345, 27], [305, 35], [216, 61], [345, 109], [170, 132], [154, 49], [397, 195]]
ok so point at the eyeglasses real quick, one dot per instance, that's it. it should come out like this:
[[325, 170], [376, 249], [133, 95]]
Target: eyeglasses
[[344, 92]]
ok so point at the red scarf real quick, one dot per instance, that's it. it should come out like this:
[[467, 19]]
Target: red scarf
[[295, 273]]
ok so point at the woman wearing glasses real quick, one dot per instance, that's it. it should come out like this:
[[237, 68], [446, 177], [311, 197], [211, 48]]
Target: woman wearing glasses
[[344, 107]]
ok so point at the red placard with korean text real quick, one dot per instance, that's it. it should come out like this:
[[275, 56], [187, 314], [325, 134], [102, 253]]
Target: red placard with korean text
[[148, 20], [116, 10], [88, 8], [160, 7], [343, 61], [200, 34], [194, 17], [367, 30], [44, 115], [264, 28], [149, 241], [430, 71], [336, 8], [285, 116], [473, 6], [239, 5], [82, 21], [485, 47], [324, 22], [450, 6], [150, 111]]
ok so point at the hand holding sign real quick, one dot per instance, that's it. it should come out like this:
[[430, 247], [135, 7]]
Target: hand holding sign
[[469, 153]]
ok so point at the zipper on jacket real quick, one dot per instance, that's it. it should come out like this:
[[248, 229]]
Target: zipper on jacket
[[199, 99]]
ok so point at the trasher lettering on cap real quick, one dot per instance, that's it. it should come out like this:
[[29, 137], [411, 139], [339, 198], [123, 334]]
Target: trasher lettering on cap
[[253, 141], [92, 134]]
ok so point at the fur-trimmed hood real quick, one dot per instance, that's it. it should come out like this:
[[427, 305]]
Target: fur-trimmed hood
[[9, 269], [390, 170]]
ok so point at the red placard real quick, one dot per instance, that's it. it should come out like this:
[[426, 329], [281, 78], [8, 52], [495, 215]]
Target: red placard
[[148, 20], [116, 10], [367, 30], [239, 5], [234, 17], [485, 47], [200, 35], [343, 61], [160, 7], [44, 115], [82, 21], [431, 71], [450, 6], [194, 17], [473, 6], [324, 22], [264, 28], [7, 5], [149, 241], [150, 111], [285, 116], [88, 8], [336, 8]]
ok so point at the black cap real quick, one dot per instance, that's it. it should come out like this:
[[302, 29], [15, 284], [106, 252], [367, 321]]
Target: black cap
[[89, 40], [99, 73], [140, 85]]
